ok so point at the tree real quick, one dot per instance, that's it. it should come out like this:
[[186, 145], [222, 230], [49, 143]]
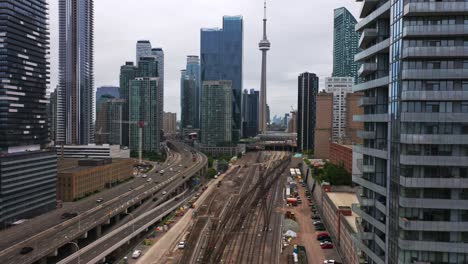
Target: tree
[[211, 173]]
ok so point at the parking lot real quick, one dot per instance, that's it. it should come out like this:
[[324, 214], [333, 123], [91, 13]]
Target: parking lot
[[307, 236]]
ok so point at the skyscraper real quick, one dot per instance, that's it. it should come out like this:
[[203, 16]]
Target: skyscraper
[[414, 171], [250, 113], [221, 59], [75, 96], [193, 71], [109, 121], [216, 129], [308, 84], [128, 72], [143, 49], [188, 96], [345, 44], [170, 124], [264, 46], [158, 55], [28, 171], [340, 87]]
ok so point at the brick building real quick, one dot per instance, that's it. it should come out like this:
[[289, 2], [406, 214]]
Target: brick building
[[342, 154], [78, 178], [323, 125]]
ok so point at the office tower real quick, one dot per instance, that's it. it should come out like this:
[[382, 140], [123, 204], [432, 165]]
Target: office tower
[[188, 95], [216, 129], [345, 44], [75, 124], [221, 59], [128, 72], [158, 55], [264, 46], [143, 49], [170, 124], [340, 87], [28, 172], [52, 115], [143, 107], [193, 71], [324, 108], [109, 121], [415, 167], [250, 113], [308, 84]]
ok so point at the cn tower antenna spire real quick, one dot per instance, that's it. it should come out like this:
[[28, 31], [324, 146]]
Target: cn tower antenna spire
[[264, 47]]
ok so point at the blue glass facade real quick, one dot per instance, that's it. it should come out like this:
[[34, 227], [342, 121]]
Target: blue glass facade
[[193, 73], [221, 53]]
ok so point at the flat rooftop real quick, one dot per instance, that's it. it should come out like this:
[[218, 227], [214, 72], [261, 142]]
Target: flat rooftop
[[345, 199]]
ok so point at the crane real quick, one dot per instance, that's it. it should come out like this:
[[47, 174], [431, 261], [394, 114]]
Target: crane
[[141, 125]]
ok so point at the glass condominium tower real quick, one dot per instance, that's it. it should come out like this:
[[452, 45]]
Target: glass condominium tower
[[75, 95], [345, 44], [414, 173], [221, 58]]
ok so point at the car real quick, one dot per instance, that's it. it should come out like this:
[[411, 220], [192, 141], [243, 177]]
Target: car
[[164, 192], [26, 250], [68, 215], [171, 169], [148, 180], [180, 165], [309, 197], [317, 222], [325, 242], [327, 246], [323, 238], [181, 245], [136, 254], [320, 228], [323, 234], [329, 261], [100, 200], [161, 172]]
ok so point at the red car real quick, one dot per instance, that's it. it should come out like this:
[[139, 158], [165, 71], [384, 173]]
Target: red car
[[327, 246]]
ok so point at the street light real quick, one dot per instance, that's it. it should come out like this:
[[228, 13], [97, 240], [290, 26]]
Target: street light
[[78, 249]]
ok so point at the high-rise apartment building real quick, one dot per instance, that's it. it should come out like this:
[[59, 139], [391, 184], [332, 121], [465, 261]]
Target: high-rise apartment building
[[128, 72], [345, 44], [75, 95], [250, 113], [28, 172], [52, 115], [109, 121], [414, 180], [216, 129], [221, 53], [308, 85], [340, 87], [158, 55], [170, 124], [193, 72]]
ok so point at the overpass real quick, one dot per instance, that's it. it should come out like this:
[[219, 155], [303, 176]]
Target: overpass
[[58, 241]]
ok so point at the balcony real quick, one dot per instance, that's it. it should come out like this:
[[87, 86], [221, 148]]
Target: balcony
[[434, 95], [379, 153], [439, 226], [367, 68], [433, 246], [364, 201], [371, 220], [383, 11], [445, 183], [367, 101], [368, 168], [379, 242], [381, 207], [435, 30], [434, 139], [441, 8], [457, 161], [367, 35], [367, 7], [434, 117], [384, 81], [366, 134], [434, 74], [359, 244], [383, 118], [434, 203], [434, 52], [369, 185], [381, 47]]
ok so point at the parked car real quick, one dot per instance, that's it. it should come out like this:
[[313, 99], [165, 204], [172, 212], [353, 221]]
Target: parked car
[[327, 246], [320, 228], [316, 217], [325, 242], [323, 234], [317, 222], [99, 200], [136, 254], [329, 261], [26, 250], [323, 238], [164, 192], [181, 245]]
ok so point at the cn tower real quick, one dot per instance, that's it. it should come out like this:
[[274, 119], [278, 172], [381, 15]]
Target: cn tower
[[264, 46]]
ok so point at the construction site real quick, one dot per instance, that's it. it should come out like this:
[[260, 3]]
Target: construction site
[[239, 222]]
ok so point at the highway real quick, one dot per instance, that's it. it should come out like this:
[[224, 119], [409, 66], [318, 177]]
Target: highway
[[73, 229]]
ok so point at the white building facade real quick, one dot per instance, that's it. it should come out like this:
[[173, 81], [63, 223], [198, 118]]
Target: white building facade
[[339, 87]]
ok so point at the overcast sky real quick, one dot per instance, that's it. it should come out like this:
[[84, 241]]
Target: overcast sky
[[300, 31]]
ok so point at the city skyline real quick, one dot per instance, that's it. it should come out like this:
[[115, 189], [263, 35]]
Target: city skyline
[[110, 29]]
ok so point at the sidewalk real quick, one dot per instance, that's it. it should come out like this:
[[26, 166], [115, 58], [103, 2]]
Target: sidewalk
[[167, 244]]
